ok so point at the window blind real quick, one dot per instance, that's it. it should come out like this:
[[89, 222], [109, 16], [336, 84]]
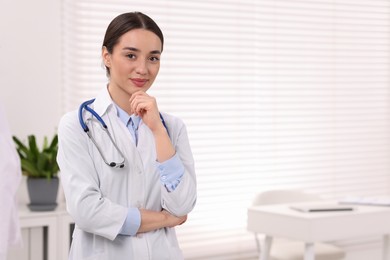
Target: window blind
[[275, 94]]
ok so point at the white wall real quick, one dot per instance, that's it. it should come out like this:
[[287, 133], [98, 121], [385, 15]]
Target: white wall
[[30, 65], [30, 70], [30, 75]]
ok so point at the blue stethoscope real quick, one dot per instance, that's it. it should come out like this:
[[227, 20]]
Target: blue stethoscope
[[85, 105]]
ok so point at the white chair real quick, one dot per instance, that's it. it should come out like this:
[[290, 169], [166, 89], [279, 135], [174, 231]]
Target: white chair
[[285, 249]]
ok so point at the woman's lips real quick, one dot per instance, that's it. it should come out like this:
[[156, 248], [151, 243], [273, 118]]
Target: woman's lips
[[139, 82]]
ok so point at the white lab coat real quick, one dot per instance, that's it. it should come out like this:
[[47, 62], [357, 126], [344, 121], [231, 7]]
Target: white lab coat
[[10, 177], [98, 196]]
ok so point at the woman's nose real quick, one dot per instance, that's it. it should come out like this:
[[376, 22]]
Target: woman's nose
[[141, 67]]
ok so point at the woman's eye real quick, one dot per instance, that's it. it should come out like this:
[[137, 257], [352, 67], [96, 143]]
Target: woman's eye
[[130, 56], [154, 59]]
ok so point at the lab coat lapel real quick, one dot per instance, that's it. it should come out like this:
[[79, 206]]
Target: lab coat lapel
[[102, 102]]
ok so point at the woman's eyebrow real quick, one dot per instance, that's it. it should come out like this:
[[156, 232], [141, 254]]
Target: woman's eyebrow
[[137, 50], [131, 49]]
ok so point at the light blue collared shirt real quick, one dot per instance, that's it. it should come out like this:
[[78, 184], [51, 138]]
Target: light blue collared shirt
[[171, 172], [131, 122]]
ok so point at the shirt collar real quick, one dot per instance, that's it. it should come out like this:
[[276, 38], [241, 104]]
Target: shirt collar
[[136, 120], [125, 117], [102, 102]]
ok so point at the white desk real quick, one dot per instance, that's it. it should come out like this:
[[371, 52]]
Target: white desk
[[57, 223], [281, 221]]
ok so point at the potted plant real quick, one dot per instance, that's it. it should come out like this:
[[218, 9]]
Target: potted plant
[[41, 168]]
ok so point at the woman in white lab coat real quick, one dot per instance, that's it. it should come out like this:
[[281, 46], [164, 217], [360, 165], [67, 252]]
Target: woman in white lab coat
[[127, 194], [10, 175]]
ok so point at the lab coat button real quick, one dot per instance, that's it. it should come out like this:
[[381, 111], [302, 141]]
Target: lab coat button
[[164, 177]]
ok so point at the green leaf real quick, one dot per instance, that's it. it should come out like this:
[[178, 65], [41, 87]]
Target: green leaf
[[42, 161], [54, 143], [34, 151], [45, 143], [38, 163], [20, 147], [29, 168]]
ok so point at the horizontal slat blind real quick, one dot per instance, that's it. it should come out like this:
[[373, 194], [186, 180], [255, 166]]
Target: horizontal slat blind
[[275, 94], [324, 71]]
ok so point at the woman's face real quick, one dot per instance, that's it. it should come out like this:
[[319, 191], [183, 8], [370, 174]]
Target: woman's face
[[134, 62]]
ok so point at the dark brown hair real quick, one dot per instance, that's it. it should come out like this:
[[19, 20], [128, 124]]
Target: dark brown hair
[[127, 22]]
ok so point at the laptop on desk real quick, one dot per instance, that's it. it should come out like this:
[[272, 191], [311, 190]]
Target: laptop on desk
[[321, 207]]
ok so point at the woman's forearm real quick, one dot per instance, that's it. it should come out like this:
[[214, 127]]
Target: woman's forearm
[[164, 147], [152, 220]]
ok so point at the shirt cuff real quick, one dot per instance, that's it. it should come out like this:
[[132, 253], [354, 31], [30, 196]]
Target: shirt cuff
[[132, 222], [171, 172]]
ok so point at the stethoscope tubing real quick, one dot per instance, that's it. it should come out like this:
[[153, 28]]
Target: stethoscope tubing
[[85, 105]]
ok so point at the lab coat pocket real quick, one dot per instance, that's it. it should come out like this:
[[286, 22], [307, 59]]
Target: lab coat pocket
[[87, 246], [175, 253], [173, 245]]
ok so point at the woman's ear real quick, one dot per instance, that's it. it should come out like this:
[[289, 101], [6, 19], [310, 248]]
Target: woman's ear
[[106, 57]]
